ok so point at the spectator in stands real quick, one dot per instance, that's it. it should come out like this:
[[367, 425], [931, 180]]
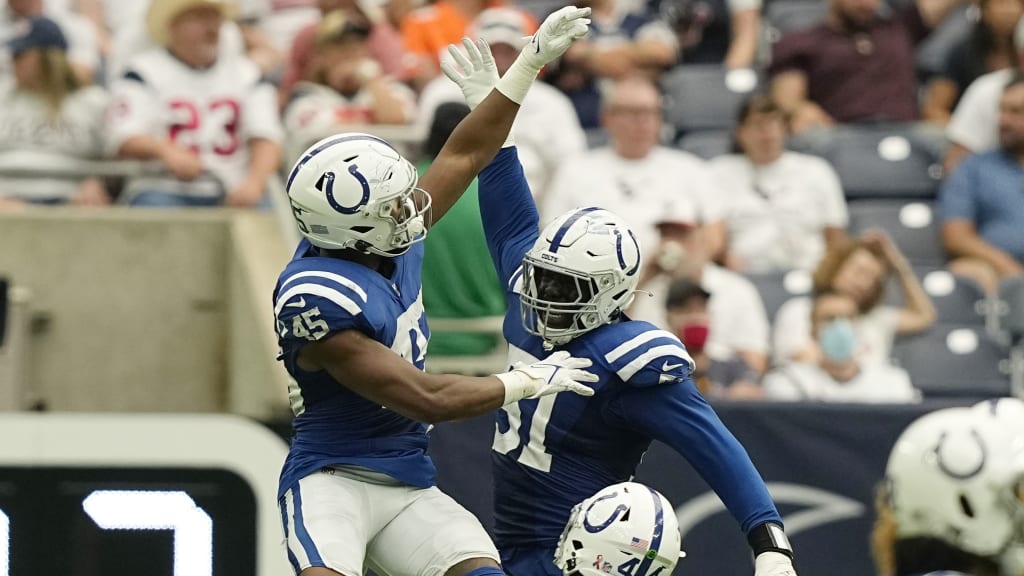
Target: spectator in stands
[[634, 176], [782, 208], [989, 47], [49, 118], [384, 42], [974, 127], [546, 130], [856, 66], [196, 112], [619, 45], [428, 31], [715, 31], [737, 322], [981, 205], [83, 48], [838, 374], [346, 87], [459, 280], [689, 317], [858, 268]]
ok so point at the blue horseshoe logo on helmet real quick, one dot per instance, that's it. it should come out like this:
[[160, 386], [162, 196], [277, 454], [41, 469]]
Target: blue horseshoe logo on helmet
[[326, 185], [940, 461], [594, 528]]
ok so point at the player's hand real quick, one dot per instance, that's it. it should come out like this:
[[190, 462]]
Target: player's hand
[[246, 195], [773, 564], [183, 163], [556, 34], [559, 372], [474, 71]]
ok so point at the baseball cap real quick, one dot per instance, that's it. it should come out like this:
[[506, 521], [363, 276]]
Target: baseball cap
[[676, 223], [503, 25], [681, 290], [336, 26], [162, 12], [39, 32]]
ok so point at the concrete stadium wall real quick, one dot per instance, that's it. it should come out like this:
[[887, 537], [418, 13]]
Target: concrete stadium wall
[[137, 310]]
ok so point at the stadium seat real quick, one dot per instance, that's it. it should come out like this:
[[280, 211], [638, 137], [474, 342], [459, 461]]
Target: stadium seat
[[777, 287], [707, 143], [958, 300], [705, 97], [951, 361], [882, 162], [1009, 309], [911, 224]]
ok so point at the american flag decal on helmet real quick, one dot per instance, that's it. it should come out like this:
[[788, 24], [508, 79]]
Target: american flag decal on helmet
[[639, 543]]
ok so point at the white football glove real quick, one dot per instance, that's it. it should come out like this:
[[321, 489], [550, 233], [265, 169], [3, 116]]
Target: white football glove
[[553, 38], [558, 372], [474, 71], [773, 564], [558, 31]]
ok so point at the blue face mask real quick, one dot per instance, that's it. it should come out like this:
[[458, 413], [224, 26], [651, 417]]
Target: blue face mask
[[838, 340]]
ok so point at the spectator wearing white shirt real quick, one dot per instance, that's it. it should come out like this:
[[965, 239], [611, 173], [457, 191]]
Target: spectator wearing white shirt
[[857, 268], [346, 87], [546, 130], [49, 120], [196, 111], [737, 322], [634, 176], [782, 208], [838, 374], [974, 126], [83, 47]]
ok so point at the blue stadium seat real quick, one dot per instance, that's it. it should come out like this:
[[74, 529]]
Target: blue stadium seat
[[707, 143], [776, 288], [913, 226], [882, 162], [958, 300], [951, 361], [705, 97]]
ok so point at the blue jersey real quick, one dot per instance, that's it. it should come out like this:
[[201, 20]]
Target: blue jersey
[[316, 297], [553, 452]]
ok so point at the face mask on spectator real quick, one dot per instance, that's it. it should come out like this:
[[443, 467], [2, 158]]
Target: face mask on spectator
[[694, 336], [838, 340]]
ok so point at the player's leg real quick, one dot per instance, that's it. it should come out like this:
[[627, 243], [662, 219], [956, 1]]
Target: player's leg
[[327, 522], [433, 536]]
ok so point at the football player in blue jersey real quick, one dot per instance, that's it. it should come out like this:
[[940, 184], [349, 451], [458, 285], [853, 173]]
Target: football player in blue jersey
[[952, 503], [357, 489], [567, 286]]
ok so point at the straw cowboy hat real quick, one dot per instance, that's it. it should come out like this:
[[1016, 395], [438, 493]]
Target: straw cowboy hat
[[162, 12]]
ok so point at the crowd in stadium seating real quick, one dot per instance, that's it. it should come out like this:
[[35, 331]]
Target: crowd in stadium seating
[[822, 187]]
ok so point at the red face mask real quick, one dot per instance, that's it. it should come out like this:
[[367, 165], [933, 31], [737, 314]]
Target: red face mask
[[694, 336]]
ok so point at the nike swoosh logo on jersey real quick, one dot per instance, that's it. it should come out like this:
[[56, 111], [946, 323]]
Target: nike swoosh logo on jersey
[[300, 303], [666, 367]]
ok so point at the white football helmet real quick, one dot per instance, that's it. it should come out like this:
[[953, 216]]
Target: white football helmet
[[957, 475], [580, 274], [356, 191], [626, 528]]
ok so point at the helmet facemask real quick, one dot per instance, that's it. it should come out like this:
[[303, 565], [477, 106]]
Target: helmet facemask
[[405, 215], [558, 304]]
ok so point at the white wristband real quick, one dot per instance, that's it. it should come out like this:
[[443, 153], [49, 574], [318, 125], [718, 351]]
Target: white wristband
[[518, 385], [517, 80]]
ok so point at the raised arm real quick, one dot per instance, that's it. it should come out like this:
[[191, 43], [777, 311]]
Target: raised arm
[[375, 372], [480, 135]]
